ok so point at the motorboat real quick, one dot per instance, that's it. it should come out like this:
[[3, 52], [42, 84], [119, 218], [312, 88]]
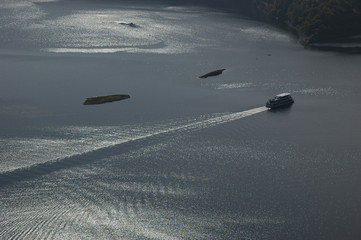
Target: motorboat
[[280, 101]]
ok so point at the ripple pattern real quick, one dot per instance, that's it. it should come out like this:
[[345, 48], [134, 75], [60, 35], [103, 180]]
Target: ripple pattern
[[82, 140]]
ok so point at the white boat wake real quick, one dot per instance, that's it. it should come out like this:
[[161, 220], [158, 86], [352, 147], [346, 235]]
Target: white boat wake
[[19, 153]]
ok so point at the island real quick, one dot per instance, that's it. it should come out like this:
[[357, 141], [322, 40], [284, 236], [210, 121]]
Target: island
[[105, 99]]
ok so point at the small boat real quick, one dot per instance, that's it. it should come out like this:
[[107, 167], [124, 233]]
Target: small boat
[[213, 73], [129, 24], [105, 99], [280, 101]]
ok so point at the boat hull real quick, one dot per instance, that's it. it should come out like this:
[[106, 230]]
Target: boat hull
[[280, 101], [279, 105]]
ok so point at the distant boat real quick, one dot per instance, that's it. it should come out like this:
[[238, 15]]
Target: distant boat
[[129, 24], [105, 99], [280, 101], [213, 73]]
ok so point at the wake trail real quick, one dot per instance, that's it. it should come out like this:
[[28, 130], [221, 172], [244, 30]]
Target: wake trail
[[84, 156], [207, 123]]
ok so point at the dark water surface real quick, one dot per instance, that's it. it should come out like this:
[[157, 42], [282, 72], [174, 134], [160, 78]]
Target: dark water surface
[[183, 158]]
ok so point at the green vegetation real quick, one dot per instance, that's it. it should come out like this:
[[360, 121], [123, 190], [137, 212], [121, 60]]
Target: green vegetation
[[314, 20]]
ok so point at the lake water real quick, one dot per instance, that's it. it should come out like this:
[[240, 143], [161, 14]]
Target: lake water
[[184, 157]]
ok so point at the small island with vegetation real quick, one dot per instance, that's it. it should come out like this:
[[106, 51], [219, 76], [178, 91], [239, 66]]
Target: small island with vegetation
[[105, 99]]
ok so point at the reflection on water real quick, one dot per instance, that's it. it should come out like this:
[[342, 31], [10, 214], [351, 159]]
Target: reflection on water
[[259, 33], [129, 195], [319, 91], [112, 50], [180, 30], [99, 31], [203, 185], [174, 162], [81, 140]]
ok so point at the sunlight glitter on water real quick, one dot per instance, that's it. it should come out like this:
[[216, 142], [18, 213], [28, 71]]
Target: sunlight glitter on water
[[82, 140], [260, 33], [329, 91], [101, 32], [161, 30]]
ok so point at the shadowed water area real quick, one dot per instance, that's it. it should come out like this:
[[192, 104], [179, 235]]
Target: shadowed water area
[[184, 157]]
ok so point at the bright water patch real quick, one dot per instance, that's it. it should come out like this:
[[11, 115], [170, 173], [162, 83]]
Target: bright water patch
[[21, 153], [329, 91], [101, 32], [162, 30], [263, 32], [129, 196], [233, 85]]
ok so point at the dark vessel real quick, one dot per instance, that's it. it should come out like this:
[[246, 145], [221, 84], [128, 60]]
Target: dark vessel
[[129, 24], [280, 101], [105, 99], [213, 73]]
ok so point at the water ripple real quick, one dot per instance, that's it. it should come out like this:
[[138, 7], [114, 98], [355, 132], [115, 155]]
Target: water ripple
[[46, 155]]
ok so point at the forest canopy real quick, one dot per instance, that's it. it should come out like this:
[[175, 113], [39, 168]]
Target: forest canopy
[[314, 20]]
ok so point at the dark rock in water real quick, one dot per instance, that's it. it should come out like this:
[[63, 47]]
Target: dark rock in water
[[129, 24], [213, 73], [105, 99]]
